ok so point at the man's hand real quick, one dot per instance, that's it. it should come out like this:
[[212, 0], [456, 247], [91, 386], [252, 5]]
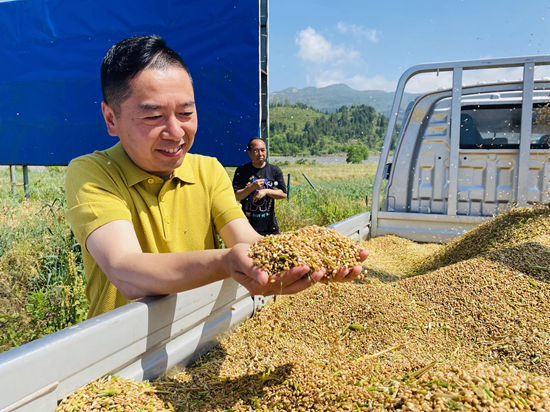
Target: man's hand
[[259, 195], [239, 235], [249, 188], [346, 275], [256, 184], [257, 282]]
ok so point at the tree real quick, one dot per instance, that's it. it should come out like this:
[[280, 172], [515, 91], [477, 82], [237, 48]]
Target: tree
[[357, 153]]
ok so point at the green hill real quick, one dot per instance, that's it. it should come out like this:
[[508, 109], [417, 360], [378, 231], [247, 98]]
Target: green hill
[[298, 129], [331, 98]]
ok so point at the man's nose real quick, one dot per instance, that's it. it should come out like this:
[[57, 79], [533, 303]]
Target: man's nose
[[173, 129]]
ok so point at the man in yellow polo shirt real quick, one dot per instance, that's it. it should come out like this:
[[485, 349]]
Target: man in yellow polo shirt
[[146, 211]]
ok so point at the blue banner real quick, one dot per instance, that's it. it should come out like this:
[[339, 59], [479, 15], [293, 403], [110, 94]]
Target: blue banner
[[50, 93]]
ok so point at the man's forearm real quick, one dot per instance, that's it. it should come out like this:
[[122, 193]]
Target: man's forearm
[[135, 274], [275, 194], [243, 193], [149, 274]]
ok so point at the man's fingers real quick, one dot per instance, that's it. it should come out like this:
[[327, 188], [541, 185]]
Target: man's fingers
[[292, 281], [289, 276], [345, 275], [363, 255], [303, 283]]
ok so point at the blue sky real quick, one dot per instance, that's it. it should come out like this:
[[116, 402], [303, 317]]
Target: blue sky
[[369, 44]]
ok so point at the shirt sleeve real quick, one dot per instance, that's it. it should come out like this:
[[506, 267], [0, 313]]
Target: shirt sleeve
[[93, 198], [280, 178], [225, 206], [239, 179]]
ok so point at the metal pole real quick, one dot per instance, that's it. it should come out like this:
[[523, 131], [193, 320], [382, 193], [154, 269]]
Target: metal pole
[[454, 158], [524, 157], [311, 184], [13, 181], [288, 189], [26, 180]]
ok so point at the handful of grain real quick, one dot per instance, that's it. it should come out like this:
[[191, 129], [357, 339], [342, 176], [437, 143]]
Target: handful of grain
[[313, 246]]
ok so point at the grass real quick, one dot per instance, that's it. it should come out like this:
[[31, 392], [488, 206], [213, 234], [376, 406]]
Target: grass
[[334, 192], [42, 282], [41, 275], [290, 115]]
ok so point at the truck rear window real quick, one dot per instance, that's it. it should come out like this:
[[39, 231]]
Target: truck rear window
[[499, 126]]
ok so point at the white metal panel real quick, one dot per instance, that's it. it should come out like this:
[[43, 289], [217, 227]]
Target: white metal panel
[[356, 227], [423, 227], [185, 348]]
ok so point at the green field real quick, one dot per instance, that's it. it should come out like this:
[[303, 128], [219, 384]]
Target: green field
[[41, 275], [336, 192]]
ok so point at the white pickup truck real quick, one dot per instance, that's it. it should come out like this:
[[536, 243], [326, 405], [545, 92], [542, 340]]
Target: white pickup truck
[[463, 154], [466, 153]]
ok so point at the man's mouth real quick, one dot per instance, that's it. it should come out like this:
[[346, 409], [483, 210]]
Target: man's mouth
[[171, 152]]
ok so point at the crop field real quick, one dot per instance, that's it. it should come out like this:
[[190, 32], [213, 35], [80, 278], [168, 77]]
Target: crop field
[[334, 192], [41, 277]]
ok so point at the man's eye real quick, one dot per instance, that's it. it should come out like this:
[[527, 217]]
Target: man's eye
[[153, 117]]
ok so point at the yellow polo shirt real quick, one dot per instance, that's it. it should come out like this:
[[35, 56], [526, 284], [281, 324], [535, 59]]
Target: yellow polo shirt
[[179, 215]]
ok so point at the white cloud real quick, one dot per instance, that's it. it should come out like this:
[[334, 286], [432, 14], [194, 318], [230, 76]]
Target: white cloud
[[357, 82], [359, 31], [421, 83], [315, 48], [377, 82], [328, 77], [342, 27], [329, 64]]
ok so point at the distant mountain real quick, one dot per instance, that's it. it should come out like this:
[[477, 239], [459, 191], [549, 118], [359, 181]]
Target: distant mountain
[[331, 98]]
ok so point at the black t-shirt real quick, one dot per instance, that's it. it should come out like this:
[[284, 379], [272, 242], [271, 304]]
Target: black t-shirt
[[261, 215]]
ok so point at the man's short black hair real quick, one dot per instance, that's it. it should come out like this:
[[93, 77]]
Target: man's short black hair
[[251, 140], [127, 58]]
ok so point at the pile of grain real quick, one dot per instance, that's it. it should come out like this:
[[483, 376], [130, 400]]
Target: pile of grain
[[313, 246], [517, 227], [392, 258], [471, 335], [115, 393]]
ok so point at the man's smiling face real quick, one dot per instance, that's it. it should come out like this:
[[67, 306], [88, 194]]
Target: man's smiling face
[[258, 153], [157, 123]]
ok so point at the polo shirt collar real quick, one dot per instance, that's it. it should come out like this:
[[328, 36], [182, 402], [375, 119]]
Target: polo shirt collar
[[185, 171], [135, 175]]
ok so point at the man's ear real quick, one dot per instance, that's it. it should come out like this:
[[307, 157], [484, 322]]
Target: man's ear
[[110, 119]]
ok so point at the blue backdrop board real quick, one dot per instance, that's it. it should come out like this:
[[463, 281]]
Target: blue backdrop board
[[51, 52]]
